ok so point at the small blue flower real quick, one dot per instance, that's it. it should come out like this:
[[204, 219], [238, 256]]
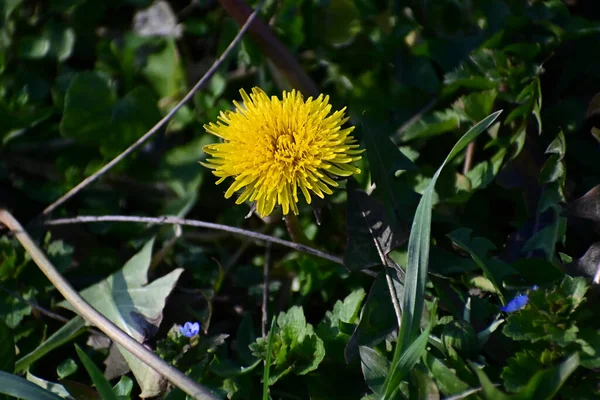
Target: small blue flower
[[190, 329], [516, 304]]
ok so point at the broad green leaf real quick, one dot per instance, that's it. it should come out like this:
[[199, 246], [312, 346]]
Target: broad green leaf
[[377, 320], [20, 388], [34, 47], [424, 387], [244, 338], [479, 105], [439, 122], [549, 314], [375, 367], [66, 368], [371, 236], [447, 381], [53, 387], [124, 386], [65, 334], [479, 248], [521, 367], [136, 306], [385, 159], [418, 247], [164, 71], [543, 385], [7, 348], [102, 385], [295, 346], [94, 116]]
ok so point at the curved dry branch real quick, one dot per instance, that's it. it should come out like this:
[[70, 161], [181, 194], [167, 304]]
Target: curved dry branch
[[166, 220]]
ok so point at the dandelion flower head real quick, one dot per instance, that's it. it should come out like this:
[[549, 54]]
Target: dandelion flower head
[[271, 147]]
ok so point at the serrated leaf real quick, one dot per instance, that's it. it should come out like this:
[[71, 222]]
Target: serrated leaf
[[548, 315], [294, 346], [346, 312], [522, 366], [127, 299]]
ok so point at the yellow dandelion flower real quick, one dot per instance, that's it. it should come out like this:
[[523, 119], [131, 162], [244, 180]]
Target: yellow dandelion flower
[[270, 147]]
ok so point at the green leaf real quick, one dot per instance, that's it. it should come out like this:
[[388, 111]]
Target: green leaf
[[375, 368], [378, 319], [34, 47], [437, 123], [343, 312], [549, 314], [18, 387], [295, 346], [543, 385], [385, 159], [164, 71], [136, 306], [479, 105], [7, 349], [66, 368], [52, 387], [445, 377], [124, 386], [521, 367], [418, 247], [405, 364], [13, 310], [479, 248], [65, 334], [102, 385], [370, 234], [244, 338], [93, 115]]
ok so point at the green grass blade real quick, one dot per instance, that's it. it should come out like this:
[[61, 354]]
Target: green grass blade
[[20, 388], [268, 362], [66, 333], [418, 245], [417, 266], [102, 385]]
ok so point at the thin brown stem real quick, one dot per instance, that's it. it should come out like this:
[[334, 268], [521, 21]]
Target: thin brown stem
[[469, 158], [265, 298], [272, 48], [203, 81], [292, 223], [36, 307], [198, 224]]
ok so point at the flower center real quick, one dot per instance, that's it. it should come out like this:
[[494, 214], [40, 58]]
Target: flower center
[[286, 150]]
